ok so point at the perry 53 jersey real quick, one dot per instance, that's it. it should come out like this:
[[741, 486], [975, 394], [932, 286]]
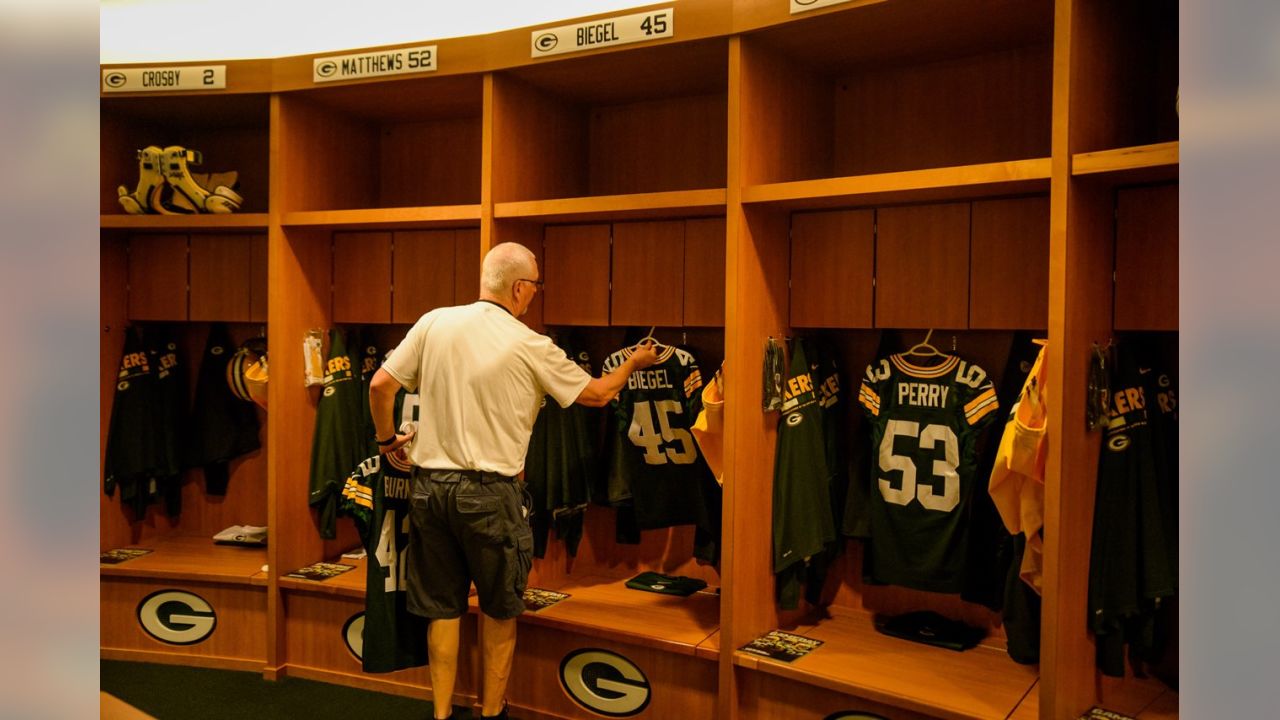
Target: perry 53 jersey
[[655, 460], [377, 496], [924, 423]]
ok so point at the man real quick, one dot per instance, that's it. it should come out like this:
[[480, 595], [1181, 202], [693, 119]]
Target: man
[[481, 375]]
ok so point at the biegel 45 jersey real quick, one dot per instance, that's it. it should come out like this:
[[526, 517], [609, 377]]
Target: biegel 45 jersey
[[377, 496], [924, 424], [656, 462]]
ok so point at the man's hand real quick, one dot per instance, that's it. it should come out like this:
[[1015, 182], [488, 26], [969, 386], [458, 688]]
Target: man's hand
[[401, 440], [644, 355]]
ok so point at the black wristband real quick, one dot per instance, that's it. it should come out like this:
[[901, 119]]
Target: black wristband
[[388, 441]]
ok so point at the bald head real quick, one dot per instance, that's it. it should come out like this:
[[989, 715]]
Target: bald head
[[503, 266]]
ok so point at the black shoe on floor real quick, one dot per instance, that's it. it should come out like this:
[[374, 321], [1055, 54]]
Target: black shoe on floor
[[500, 716]]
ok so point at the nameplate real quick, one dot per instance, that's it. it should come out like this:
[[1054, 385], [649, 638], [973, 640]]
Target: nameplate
[[607, 32], [379, 63], [184, 78], [799, 6]]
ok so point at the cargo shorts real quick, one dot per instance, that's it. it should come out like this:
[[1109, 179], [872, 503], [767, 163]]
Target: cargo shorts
[[467, 527]]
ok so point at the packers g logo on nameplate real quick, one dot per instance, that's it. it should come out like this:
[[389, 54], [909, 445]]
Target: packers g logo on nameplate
[[177, 617], [799, 6], [605, 32], [604, 682], [353, 635]]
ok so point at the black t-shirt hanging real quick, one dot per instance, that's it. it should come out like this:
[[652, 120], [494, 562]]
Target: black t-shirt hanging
[[224, 427]]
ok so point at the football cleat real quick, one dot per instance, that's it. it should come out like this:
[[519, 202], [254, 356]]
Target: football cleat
[[188, 194], [150, 179]]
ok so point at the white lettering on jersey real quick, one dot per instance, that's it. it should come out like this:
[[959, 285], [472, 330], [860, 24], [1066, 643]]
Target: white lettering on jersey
[[923, 394], [648, 380]]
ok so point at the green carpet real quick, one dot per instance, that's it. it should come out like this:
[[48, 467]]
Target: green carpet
[[174, 692]]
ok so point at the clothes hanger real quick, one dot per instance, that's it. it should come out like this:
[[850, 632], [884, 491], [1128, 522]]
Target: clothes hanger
[[924, 349], [656, 343]]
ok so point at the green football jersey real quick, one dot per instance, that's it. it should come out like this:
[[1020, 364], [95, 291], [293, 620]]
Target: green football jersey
[[925, 421], [377, 496], [339, 442]]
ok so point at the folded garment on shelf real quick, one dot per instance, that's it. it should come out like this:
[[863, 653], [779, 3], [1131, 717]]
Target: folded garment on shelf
[[666, 584]]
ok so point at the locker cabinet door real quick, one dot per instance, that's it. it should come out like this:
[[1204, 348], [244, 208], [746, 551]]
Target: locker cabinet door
[[158, 277], [362, 277], [466, 263], [576, 272], [922, 266], [1147, 258], [832, 266], [704, 243], [258, 278], [221, 277], [423, 273], [648, 273], [1009, 257]]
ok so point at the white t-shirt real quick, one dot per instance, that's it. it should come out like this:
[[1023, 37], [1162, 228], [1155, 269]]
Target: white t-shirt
[[481, 375]]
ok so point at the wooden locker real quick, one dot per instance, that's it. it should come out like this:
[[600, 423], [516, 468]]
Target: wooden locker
[[362, 277], [221, 277], [1009, 264], [648, 273], [704, 272], [832, 268], [158, 277], [922, 266], [466, 264], [1147, 258], [575, 263], [422, 273], [258, 278]]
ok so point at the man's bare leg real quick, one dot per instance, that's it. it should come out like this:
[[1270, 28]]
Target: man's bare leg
[[442, 649], [498, 639]]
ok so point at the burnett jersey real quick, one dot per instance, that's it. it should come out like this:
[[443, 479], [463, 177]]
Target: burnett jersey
[[656, 463], [924, 424], [377, 496]]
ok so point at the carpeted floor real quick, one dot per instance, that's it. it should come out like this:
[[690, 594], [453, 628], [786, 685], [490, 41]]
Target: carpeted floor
[[174, 692]]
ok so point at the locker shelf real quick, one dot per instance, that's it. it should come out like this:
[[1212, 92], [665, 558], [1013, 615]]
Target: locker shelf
[[1146, 699], [183, 557], [184, 223], [387, 218], [947, 183], [1129, 165], [598, 606], [855, 659], [348, 584], [606, 608], [665, 205]]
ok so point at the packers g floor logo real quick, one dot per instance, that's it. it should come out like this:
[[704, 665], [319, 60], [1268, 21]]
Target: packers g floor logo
[[854, 715], [353, 635], [604, 682], [177, 617]]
